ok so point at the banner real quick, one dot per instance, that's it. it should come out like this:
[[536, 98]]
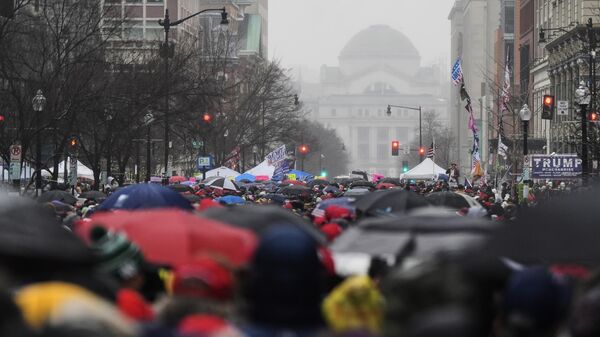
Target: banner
[[276, 156], [558, 166]]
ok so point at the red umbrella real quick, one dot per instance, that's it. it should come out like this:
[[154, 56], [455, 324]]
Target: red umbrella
[[174, 237], [177, 179]]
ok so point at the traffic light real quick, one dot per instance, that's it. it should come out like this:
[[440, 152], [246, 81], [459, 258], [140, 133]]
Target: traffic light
[[303, 149], [395, 148], [1, 119], [206, 118], [547, 106], [421, 151], [324, 173], [404, 166], [73, 144], [593, 117]]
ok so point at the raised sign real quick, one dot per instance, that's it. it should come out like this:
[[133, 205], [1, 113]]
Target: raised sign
[[558, 166]]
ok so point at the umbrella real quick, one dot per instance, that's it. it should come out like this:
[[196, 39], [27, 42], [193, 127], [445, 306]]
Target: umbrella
[[192, 198], [144, 196], [188, 183], [414, 235], [395, 181], [29, 232], [260, 217], [231, 200], [331, 189], [62, 196], [389, 201], [223, 184], [181, 188], [295, 190], [176, 237], [177, 179], [292, 182], [277, 198], [318, 182], [356, 192], [345, 202], [93, 195], [246, 176], [563, 231], [362, 183], [451, 200]]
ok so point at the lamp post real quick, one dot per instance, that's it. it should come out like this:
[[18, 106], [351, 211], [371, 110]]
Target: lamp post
[[38, 102], [168, 51], [525, 115], [148, 118], [389, 113], [583, 98]]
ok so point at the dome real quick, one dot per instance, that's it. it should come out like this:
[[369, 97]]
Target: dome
[[379, 41]]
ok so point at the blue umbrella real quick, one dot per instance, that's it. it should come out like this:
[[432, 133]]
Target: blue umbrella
[[301, 175], [246, 176], [144, 196], [231, 200]]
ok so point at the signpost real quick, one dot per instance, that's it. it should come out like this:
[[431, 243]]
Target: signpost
[[560, 166], [15, 162], [197, 144], [562, 108], [204, 163]]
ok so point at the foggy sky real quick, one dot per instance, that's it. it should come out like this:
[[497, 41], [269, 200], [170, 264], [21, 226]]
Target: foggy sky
[[313, 32]]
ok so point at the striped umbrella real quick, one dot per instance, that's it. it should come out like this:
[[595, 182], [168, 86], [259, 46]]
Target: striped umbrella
[[223, 184]]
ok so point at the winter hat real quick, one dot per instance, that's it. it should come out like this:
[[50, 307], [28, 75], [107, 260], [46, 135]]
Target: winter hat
[[332, 231], [204, 278], [118, 256], [286, 280], [535, 299]]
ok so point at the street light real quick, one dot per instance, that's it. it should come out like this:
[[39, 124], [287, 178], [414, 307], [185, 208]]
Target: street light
[[148, 119], [168, 51], [583, 98], [389, 113], [38, 102], [525, 115]]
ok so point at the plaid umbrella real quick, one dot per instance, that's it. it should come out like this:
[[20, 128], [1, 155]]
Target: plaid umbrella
[[224, 184]]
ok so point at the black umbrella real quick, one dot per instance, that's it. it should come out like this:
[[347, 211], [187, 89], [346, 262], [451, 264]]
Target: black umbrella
[[395, 181], [259, 217], [331, 189], [414, 235], [448, 199], [564, 231], [318, 182], [29, 231], [355, 192], [93, 195], [362, 183], [295, 190], [389, 201], [181, 188], [62, 196], [192, 198]]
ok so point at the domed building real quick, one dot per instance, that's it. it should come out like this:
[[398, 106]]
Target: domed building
[[377, 67]]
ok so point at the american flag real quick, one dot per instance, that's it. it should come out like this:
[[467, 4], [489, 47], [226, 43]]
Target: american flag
[[431, 151], [457, 74]]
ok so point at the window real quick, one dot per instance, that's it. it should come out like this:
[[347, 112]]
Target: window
[[154, 1], [509, 19], [133, 30], [383, 151], [383, 135], [363, 134]]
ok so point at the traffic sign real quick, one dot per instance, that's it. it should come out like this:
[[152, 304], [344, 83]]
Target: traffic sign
[[15, 170], [562, 108], [204, 163], [15, 152], [197, 144]]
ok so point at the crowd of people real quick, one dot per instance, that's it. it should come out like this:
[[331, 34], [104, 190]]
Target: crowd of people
[[66, 270]]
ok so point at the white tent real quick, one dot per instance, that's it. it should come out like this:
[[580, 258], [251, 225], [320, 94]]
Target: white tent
[[82, 171], [222, 172], [427, 169], [263, 169]]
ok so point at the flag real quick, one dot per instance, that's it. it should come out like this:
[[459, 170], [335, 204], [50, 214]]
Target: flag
[[467, 183], [502, 148], [431, 151], [457, 75]]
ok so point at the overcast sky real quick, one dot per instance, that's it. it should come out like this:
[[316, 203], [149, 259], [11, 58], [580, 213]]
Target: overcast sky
[[313, 32]]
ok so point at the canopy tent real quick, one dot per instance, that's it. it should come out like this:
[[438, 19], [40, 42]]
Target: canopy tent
[[427, 169], [82, 171], [222, 172], [262, 169]]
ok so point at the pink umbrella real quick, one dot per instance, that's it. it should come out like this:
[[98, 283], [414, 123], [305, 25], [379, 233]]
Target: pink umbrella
[[377, 177], [177, 179]]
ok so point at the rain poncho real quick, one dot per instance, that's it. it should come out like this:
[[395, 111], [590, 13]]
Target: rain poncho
[[355, 305]]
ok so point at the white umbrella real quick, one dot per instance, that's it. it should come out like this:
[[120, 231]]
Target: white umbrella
[[224, 184]]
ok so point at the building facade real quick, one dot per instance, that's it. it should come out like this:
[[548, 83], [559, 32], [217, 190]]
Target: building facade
[[379, 66]]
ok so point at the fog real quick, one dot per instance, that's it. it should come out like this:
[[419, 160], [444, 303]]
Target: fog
[[310, 33]]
